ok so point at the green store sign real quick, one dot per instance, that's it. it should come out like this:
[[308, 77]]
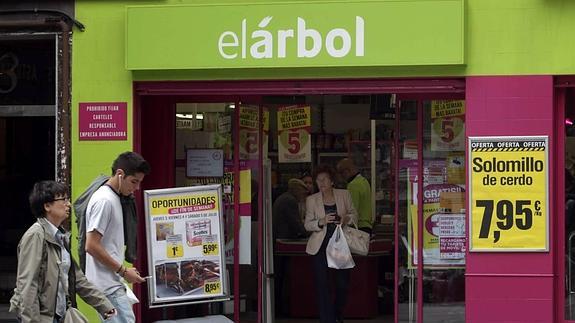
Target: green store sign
[[306, 34]]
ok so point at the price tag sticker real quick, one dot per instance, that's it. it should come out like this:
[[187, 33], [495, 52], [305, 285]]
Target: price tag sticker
[[210, 246], [174, 246], [509, 194], [212, 287]]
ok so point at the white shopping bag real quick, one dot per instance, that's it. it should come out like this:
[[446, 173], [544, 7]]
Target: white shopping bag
[[132, 298], [337, 251]]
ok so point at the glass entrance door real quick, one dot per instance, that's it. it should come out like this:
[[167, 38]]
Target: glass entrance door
[[430, 203]]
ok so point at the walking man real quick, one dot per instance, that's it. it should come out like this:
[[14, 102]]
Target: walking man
[[105, 234]]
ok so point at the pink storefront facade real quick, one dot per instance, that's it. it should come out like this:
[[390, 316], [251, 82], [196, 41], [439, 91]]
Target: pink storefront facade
[[517, 287]]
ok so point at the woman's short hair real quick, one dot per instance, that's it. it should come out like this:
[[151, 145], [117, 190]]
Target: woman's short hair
[[45, 192], [324, 169]]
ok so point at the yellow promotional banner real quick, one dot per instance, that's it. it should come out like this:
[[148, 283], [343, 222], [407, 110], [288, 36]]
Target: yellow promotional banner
[[447, 108], [183, 204], [508, 201], [448, 125], [294, 127]]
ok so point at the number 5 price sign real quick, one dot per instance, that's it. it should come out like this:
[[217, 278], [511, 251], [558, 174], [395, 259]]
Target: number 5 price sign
[[294, 126], [508, 201], [447, 125]]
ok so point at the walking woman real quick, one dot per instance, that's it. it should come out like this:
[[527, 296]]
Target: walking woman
[[324, 210], [45, 266]]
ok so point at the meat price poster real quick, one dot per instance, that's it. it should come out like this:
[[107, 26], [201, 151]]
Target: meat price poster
[[509, 194], [185, 244]]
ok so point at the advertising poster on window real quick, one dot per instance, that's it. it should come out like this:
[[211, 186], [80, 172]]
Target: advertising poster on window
[[444, 223], [294, 128], [249, 132], [448, 125], [509, 194], [184, 228]]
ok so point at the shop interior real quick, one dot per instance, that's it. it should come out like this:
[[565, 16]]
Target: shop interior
[[381, 134]]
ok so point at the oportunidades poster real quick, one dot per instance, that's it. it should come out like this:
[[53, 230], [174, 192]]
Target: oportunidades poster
[[184, 231]]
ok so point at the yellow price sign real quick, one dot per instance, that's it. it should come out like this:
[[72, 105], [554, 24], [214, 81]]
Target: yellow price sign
[[508, 194], [174, 246], [212, 287], [210, 249]]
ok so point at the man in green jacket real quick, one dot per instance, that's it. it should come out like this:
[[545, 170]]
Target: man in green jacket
[[360, 191]]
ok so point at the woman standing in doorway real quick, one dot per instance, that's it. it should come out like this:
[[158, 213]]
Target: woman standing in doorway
[[324, 210]]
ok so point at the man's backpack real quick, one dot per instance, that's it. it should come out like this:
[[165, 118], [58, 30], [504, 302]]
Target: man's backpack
[[130, 219], [80, 207]]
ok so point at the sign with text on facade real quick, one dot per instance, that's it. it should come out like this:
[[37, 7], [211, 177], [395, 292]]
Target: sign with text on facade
[[508, 195], [103, 121], [295, 34], [448, 125], [249, 131], [184, 228], [294, 134]]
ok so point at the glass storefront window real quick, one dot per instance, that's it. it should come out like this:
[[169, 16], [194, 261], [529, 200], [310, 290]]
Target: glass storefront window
[[392, 169], [444, 244]]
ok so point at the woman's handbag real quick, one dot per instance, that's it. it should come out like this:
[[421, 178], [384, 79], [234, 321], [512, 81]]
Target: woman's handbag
[[74, 316], [357, 240]]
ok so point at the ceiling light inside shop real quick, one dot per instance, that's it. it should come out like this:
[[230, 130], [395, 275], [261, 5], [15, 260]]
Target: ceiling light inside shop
[[199, 116]]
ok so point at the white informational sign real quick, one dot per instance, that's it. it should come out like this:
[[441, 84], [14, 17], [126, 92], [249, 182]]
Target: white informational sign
[[204, 162], [452, 236], [184, 228]]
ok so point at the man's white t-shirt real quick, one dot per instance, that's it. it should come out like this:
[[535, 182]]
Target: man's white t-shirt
[[104, 214]]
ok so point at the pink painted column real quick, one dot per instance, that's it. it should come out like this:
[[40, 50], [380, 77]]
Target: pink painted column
[[511, 287]]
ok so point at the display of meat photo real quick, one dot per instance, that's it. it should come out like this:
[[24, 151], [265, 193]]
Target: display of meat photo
[[160, 274], [173, 277], [195, 272], [186, 276]]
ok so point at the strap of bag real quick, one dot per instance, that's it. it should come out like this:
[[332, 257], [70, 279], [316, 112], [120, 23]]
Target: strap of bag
[[354, 224], [72, 282]]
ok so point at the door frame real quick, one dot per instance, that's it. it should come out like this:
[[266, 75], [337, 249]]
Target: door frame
[[251, 90], [562, 85]]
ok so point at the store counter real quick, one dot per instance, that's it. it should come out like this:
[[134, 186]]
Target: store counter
[[362, 299]]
